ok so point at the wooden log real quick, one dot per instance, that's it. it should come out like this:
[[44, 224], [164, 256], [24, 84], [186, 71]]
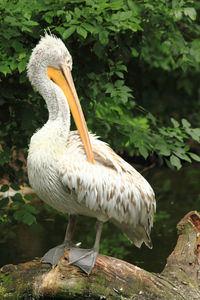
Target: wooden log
[[112, 278]]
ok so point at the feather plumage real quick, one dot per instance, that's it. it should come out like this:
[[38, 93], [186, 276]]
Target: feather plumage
[[111, 187], [58, 168]]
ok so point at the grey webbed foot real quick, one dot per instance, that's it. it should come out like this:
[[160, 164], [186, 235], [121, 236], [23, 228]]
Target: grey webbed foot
[[83, 258], [54, 255]]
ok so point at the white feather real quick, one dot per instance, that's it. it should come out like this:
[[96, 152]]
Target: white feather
[[58, 168]]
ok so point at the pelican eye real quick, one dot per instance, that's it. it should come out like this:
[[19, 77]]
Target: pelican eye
[[61, 69]]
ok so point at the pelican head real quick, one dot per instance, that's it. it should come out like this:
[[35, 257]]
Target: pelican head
[[49, 52], [50, 67]]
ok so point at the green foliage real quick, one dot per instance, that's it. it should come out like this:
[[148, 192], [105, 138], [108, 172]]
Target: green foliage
[[130, 57], [17, 208]]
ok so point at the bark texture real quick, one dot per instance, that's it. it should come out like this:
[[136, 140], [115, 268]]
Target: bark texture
[[112, 278]]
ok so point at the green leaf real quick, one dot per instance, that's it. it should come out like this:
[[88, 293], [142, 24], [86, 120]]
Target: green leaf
[[125, 15], [143, 151], [60, 30], [134, 52], [18, 215], [26, 29], [191, 12], [48, 17], [11, 20], [152, 118], [103, 37], [175, 123], [17, 197], [15, 186], [98, 49], [134, 7], [175, 161], [88, 27], [31, 209], [194, 133], [60, 12], [194, 156], [24, 216], [81, 31], [168, 163], [22, 55], [182, 155], [185, 123], [68, 17], [4, 202], [68, 32], [116, 4], [22, 65], [29, 219], [28, 197], [4, 188], [5, 69], [119, 74], [17, 46], [30, 23], [163, 149], [178, 14]]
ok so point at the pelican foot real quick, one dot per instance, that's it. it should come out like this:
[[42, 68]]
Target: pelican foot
[[83, 258], [54, 254]]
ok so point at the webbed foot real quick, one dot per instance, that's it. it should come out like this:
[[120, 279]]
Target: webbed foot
[[54, 255], [83, 258]]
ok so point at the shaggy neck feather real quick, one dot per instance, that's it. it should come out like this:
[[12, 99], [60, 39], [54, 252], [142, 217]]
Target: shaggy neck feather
[[55, 99]]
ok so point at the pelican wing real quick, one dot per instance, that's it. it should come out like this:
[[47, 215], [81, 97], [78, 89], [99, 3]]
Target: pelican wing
[[110, 186]]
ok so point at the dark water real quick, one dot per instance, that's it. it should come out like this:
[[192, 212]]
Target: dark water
[[177, 193]]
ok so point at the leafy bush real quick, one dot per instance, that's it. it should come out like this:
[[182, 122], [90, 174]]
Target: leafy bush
[[15, 209], [133, 57]]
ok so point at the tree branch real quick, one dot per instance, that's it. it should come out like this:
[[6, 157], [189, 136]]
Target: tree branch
[[112, 278]]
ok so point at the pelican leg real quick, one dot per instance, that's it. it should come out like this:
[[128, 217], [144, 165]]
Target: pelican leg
[[54, 255], [70, 230], [85, 258]]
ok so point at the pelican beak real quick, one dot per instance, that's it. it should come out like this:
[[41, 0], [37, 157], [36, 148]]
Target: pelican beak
[[64, 80]]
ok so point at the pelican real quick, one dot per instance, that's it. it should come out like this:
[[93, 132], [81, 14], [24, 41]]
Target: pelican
[[74, 171]]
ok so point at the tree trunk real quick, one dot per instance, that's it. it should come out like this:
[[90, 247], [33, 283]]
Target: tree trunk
[[112, 278]]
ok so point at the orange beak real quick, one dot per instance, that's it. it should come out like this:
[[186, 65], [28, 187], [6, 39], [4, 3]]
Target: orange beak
[[64, 80]]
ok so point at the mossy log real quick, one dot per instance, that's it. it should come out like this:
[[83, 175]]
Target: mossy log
[[112, 278]]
